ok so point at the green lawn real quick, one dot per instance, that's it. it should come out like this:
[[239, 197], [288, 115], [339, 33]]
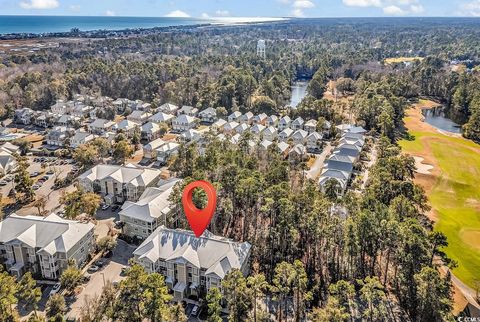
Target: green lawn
[[455, 196]]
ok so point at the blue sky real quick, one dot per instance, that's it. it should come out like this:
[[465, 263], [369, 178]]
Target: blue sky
[[243, 8]]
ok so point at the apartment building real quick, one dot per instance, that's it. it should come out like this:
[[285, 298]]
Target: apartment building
[[189, 264], [44, 245], [118, 184], [141, 218]]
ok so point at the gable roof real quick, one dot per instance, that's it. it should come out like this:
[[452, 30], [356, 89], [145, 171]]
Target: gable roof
[[217, 255], [124, 174], [50, 234]]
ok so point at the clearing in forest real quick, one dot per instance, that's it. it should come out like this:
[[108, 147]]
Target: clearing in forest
[[452, 187]]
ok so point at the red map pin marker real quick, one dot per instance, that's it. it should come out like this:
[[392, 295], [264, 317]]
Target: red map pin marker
[[199, 218]]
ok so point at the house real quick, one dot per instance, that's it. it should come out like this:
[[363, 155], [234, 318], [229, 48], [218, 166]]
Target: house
[[121, 104], [184, 123], [350, 128], [100, 126], [150, 131], [260, 119], [342, 177], [168, 108], [8, 163], [166, 151], [298, 153], [118, 183], [218, 125], [191, 265], [80, 138], [81, 110], [243, 127], [314, 142], [61, 107], [246, 118], [285, 134], [10, 148], [235, 139], [234, 117], [57, 136], [297, 124], [44, 119], [230, 127], [263, 146], [23, 116], [283, 148], [44, 245], [299, 137], [126, 126], [142, 217], [139, 116], [149, 150], [208, 115], [272, 120], [161, 117], [284, 123], [188, 110], [67, 120], [190, 135], [310, 126], [257, 129], [270, 133], [340, 162], [141, 105], [348, 149]]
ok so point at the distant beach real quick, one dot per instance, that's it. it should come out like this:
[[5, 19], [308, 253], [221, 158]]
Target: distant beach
[[58, 24]]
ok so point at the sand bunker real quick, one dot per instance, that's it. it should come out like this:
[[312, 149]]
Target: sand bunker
[[422, 167]]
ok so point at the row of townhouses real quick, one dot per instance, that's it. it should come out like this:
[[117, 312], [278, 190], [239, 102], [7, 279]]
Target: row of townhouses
[[340, 165]]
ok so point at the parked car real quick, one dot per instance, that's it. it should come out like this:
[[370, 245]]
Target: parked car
[[50, 172], [100, 263], [115, 207], [3, 183], [55, 289], [195, 311], [93, 269], [34, 174], [35, 187], [105, 206]]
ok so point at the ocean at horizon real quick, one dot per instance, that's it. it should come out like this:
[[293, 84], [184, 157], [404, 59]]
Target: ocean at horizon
[[49, 24]]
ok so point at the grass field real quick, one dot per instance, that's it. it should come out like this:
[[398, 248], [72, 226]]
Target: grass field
[[452, 188], [397, 60]]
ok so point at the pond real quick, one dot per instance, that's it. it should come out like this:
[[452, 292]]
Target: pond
[[299, 91], [437, 118]]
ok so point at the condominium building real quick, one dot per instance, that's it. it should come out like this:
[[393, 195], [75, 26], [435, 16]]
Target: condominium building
[[189, 264], [44, 245], [119, 183]]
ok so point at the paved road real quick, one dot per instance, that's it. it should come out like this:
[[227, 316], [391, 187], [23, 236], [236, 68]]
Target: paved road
[[110, 272], [317, 166]]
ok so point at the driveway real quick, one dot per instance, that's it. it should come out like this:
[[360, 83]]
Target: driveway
[[316, 168], [110, 272]]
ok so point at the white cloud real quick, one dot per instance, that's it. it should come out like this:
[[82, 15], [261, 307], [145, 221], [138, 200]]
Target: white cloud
[[394, 11], [204, 15], [390, 7], [39, 4], [471, 9], [362, 3], [303, 4], [299, 6], [110, 13], [177, 14], [75, 7], [222, 13]]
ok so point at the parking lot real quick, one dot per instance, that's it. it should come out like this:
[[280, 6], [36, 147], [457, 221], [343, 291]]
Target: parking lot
[[44, 179], [111, 271]]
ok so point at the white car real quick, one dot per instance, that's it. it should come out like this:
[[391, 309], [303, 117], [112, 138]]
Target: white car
[[55, 289], [105, 207]]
